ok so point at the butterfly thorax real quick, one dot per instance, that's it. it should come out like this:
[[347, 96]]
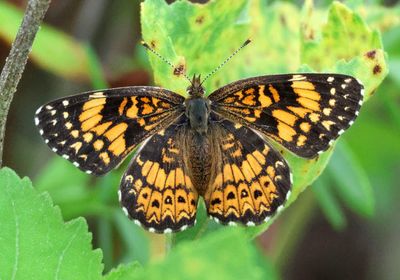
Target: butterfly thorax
[[197, 107]]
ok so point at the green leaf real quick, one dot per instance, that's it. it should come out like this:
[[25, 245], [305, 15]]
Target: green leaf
[[328, 202], [134, 239], [35, 242], [352, 182], [345, 44], [52, 50], [95, 70], [225, 254], [105, 241], [203, 35], [123, 272], [69, 188], [189, 41]]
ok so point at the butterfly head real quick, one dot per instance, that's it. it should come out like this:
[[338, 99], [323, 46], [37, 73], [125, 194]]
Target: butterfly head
[[197, 106], [196, 88]]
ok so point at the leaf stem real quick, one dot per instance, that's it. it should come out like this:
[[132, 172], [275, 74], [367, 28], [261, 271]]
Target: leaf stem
[[16, 60]]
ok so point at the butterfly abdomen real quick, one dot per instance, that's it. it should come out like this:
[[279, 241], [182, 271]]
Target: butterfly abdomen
[[199, 160]]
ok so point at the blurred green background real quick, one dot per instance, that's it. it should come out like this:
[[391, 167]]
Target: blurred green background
[[345, 226]]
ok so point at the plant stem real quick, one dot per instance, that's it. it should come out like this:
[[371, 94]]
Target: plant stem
[[169, 242], [16, 60]]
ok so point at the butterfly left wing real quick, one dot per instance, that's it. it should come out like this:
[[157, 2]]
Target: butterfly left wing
[[251, 180], [156, 191], [97, 130], [303, 112]]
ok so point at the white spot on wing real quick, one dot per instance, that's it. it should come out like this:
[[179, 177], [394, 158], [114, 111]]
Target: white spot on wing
[[167, 230], [66, 157], [297, 78], [341, 132], [76, 164], [330, 79], [152, 229], [36, 121], [289, 193], [280, 208], [343, 86], [232, 223], [41, 132], [88, 172], [48, 107], [119, 195], [65, 103], [348, 80], [125, 211], [97, 94], [137, 222], [54, 149], [183, 227], [250, 224], [38, 110]]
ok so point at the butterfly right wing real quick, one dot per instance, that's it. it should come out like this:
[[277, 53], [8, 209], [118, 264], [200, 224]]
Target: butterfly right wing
[[97, 130], [251, 180], [156, 191], [303, 112]]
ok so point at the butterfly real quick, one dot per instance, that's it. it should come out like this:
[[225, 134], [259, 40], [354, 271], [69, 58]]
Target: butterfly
[[217, 147]]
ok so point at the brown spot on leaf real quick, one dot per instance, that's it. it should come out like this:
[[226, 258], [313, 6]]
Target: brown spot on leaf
[[153, 44], [179, 70], [282, 19], [200, 19], [371, 54], [377, 69], [311, 35]]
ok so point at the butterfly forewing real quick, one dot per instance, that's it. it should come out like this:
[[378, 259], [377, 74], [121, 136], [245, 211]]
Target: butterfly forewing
[[156, 190], [251, 180], [303, 112], [97, 130]]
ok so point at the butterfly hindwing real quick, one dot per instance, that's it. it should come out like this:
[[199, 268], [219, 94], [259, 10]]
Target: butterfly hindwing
[[303, 112], [156, 191], [251, 179], [97, 130]]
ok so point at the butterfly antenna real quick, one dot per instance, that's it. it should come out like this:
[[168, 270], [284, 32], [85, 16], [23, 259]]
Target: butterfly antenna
[[227, 59], [144, 44]]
